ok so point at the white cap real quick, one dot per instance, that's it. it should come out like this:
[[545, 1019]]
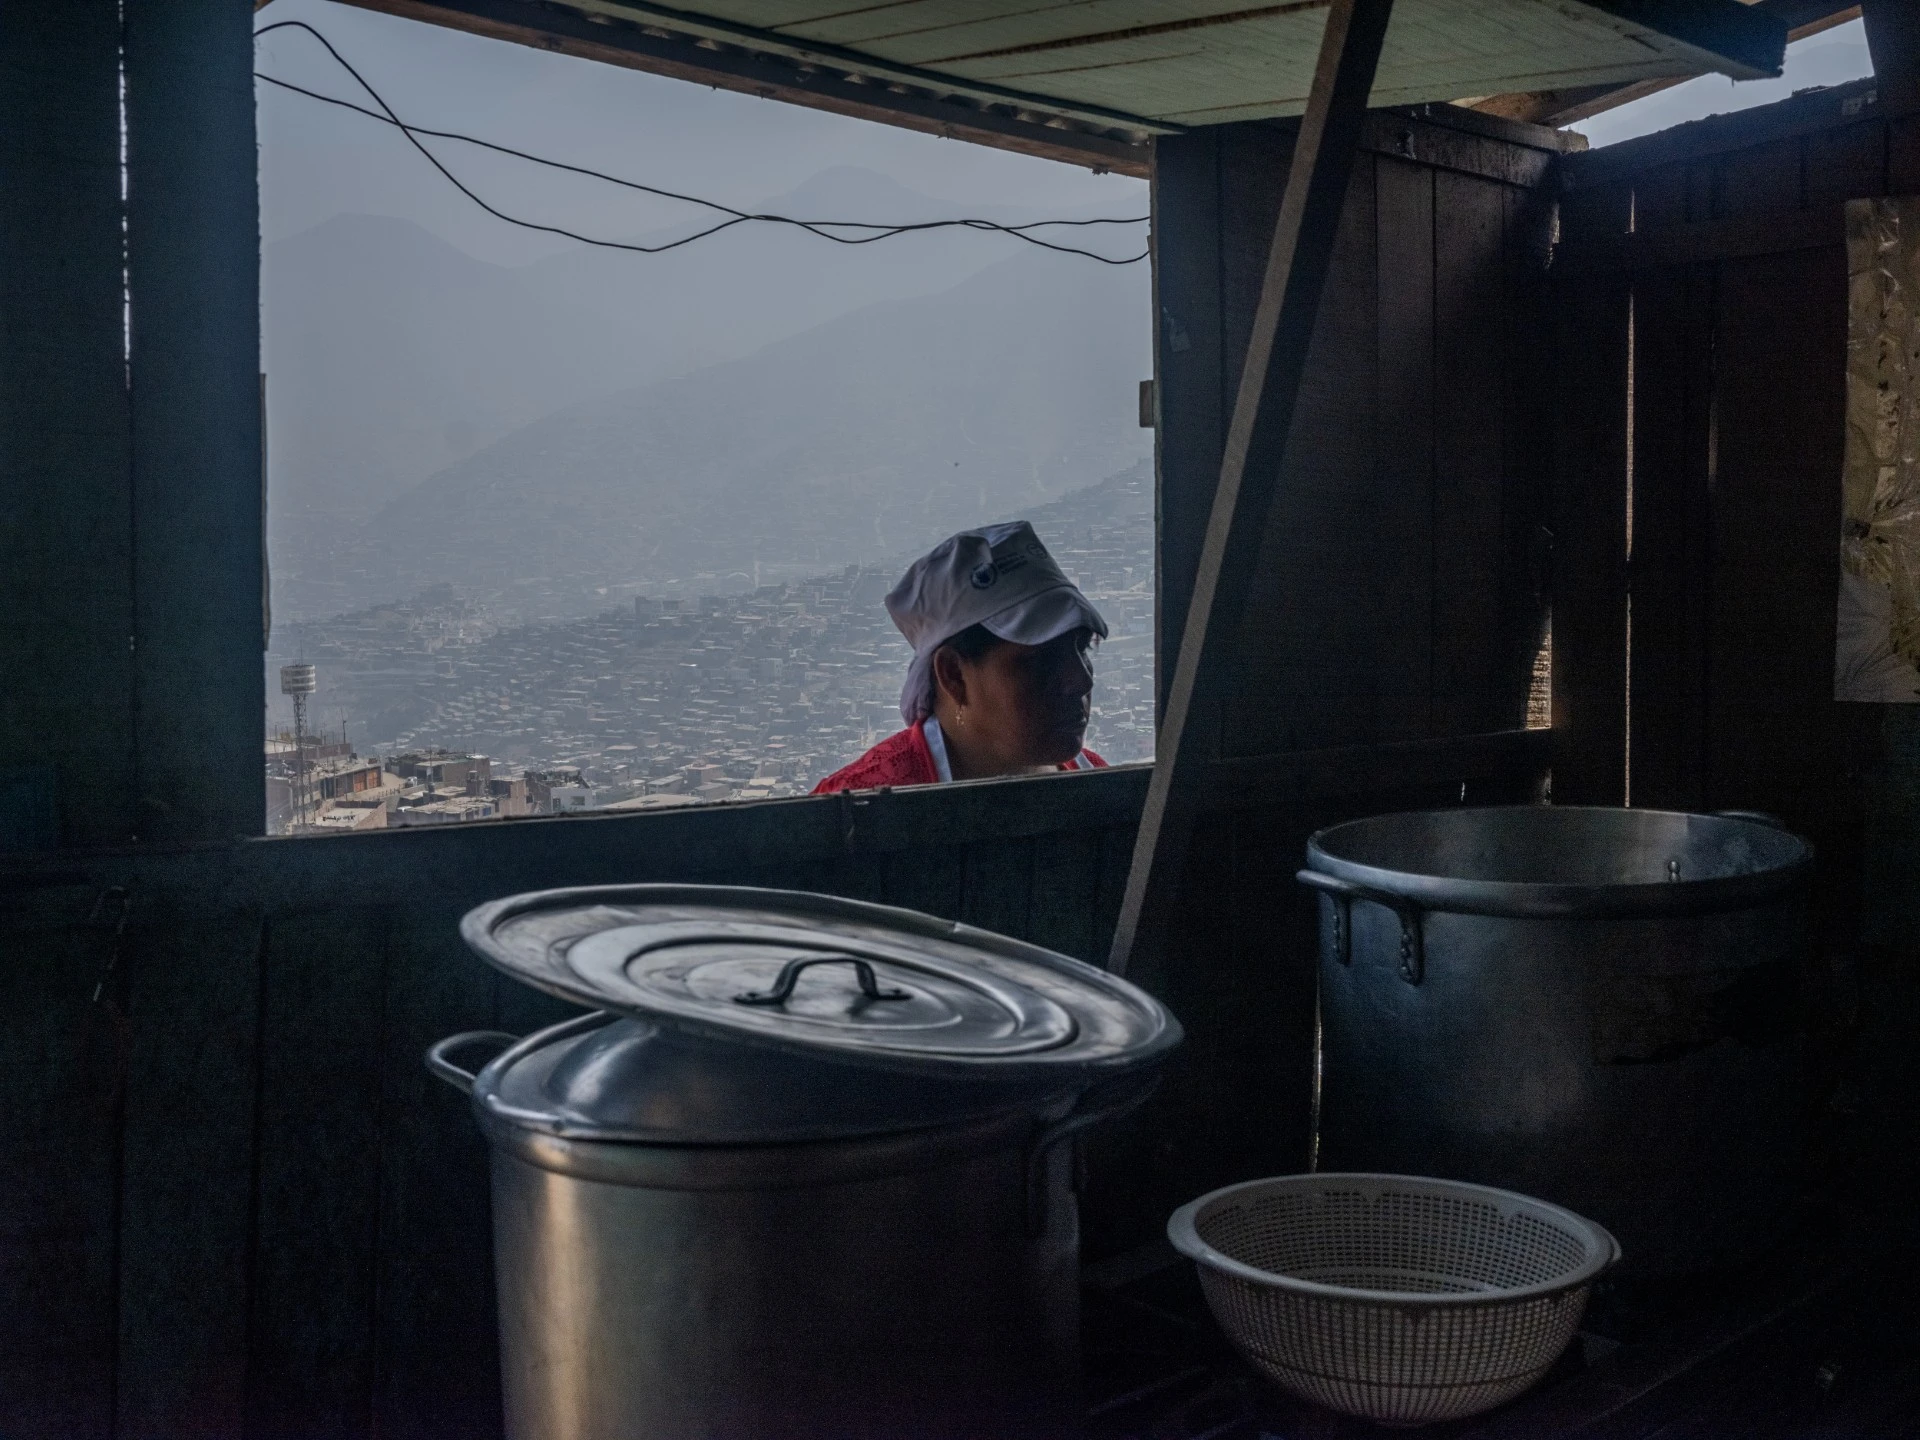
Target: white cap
[[999, 576]]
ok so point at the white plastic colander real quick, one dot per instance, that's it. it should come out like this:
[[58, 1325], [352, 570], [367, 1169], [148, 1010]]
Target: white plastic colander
[[1396, 1298]]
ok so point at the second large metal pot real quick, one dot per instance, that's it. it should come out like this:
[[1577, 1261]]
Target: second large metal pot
[[1595, 1006]]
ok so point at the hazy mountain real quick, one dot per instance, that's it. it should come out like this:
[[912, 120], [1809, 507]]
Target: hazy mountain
[[864, 437], [391, 354]]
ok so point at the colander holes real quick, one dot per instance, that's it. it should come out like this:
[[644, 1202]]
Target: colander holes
[[1393, 1241], [1403, 1361]]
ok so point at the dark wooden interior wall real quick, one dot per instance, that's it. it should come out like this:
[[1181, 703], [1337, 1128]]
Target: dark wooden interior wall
[[237, 1204], [1714, 255], [1398, 595], [1696, 663]]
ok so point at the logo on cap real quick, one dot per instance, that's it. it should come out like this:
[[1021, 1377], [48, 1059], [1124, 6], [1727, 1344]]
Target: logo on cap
[[984, 576]]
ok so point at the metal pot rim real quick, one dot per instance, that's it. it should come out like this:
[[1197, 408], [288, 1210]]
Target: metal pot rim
[[1517, 899], [783, 1165]]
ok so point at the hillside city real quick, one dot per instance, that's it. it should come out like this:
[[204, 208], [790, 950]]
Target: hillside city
[[434, 713]]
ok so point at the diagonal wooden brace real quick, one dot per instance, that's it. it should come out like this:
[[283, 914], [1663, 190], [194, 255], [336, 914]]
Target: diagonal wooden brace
[[1256, 442]]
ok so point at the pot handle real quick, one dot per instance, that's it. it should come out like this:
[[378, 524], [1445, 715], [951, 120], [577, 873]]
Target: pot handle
[[1108, 1102], [1413, 946], [462, 1080]]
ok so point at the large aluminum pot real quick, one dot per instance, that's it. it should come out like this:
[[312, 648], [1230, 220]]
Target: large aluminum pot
[[813, 1183], [1595, 1006]]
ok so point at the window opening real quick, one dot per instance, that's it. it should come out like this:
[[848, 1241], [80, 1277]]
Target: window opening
[[564, 519]]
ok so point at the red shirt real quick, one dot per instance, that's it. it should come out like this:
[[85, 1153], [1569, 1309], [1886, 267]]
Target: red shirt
[[905, 759]]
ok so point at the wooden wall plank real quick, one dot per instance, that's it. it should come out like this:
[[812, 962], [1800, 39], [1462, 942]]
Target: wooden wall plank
[[1185, 1140], [436, 1369], [317, 1200], [1190, 388], [1846, 164], [65, 508], [60, 1088], [1276, 949], [1703, 190], [1903, 155], [1760, 180], [1663, 196], [1810, 112], [999, 886], [1116, 858], [859, 877], [1782, 324], [193, 253], [1671, 560], [1338, 629], [1253, 167], [1405, 428], [1470, 326], [193, 1008], [1597, 210], [1589, 507], [932, 881], [1526, 500], [1066, 886], [1321, 607]]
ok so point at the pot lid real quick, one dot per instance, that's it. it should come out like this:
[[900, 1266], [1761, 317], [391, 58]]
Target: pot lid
[[602, 1077], [824, 977]]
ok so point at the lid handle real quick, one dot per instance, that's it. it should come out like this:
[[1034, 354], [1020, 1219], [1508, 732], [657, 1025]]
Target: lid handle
[[790, 976]]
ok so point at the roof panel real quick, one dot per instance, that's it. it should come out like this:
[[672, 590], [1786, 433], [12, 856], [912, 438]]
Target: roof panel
[[1091, 81], [1253, 66], [928, 32], [1198, 61]]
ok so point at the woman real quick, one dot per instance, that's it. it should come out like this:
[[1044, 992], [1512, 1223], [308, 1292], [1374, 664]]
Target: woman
[[1002, 666]]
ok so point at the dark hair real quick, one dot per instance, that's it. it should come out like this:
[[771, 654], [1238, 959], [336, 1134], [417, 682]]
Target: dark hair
[[973, 642], [970, 644]]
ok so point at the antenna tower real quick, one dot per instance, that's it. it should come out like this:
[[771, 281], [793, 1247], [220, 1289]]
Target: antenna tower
[[298, 682]]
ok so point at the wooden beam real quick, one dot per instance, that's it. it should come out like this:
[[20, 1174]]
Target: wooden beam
[[1743, 41], [843, 85], [1813, 112], [1802, 18], [1893, 35], [193, 266], [1738, 237], [66, 510], [1256, 442]]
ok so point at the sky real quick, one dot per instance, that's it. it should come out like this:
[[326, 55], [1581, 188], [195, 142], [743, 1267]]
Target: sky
[[317, 161], [1832, 57]]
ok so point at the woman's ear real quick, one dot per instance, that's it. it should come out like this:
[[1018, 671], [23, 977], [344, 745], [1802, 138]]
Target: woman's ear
[[949, 675]]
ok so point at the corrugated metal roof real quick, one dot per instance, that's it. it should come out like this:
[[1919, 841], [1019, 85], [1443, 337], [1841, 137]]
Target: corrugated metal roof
[[1175, 63], [1091, 81]]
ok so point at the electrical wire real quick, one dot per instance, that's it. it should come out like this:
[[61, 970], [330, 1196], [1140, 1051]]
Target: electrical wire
[[814, 225], [824, 229]]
